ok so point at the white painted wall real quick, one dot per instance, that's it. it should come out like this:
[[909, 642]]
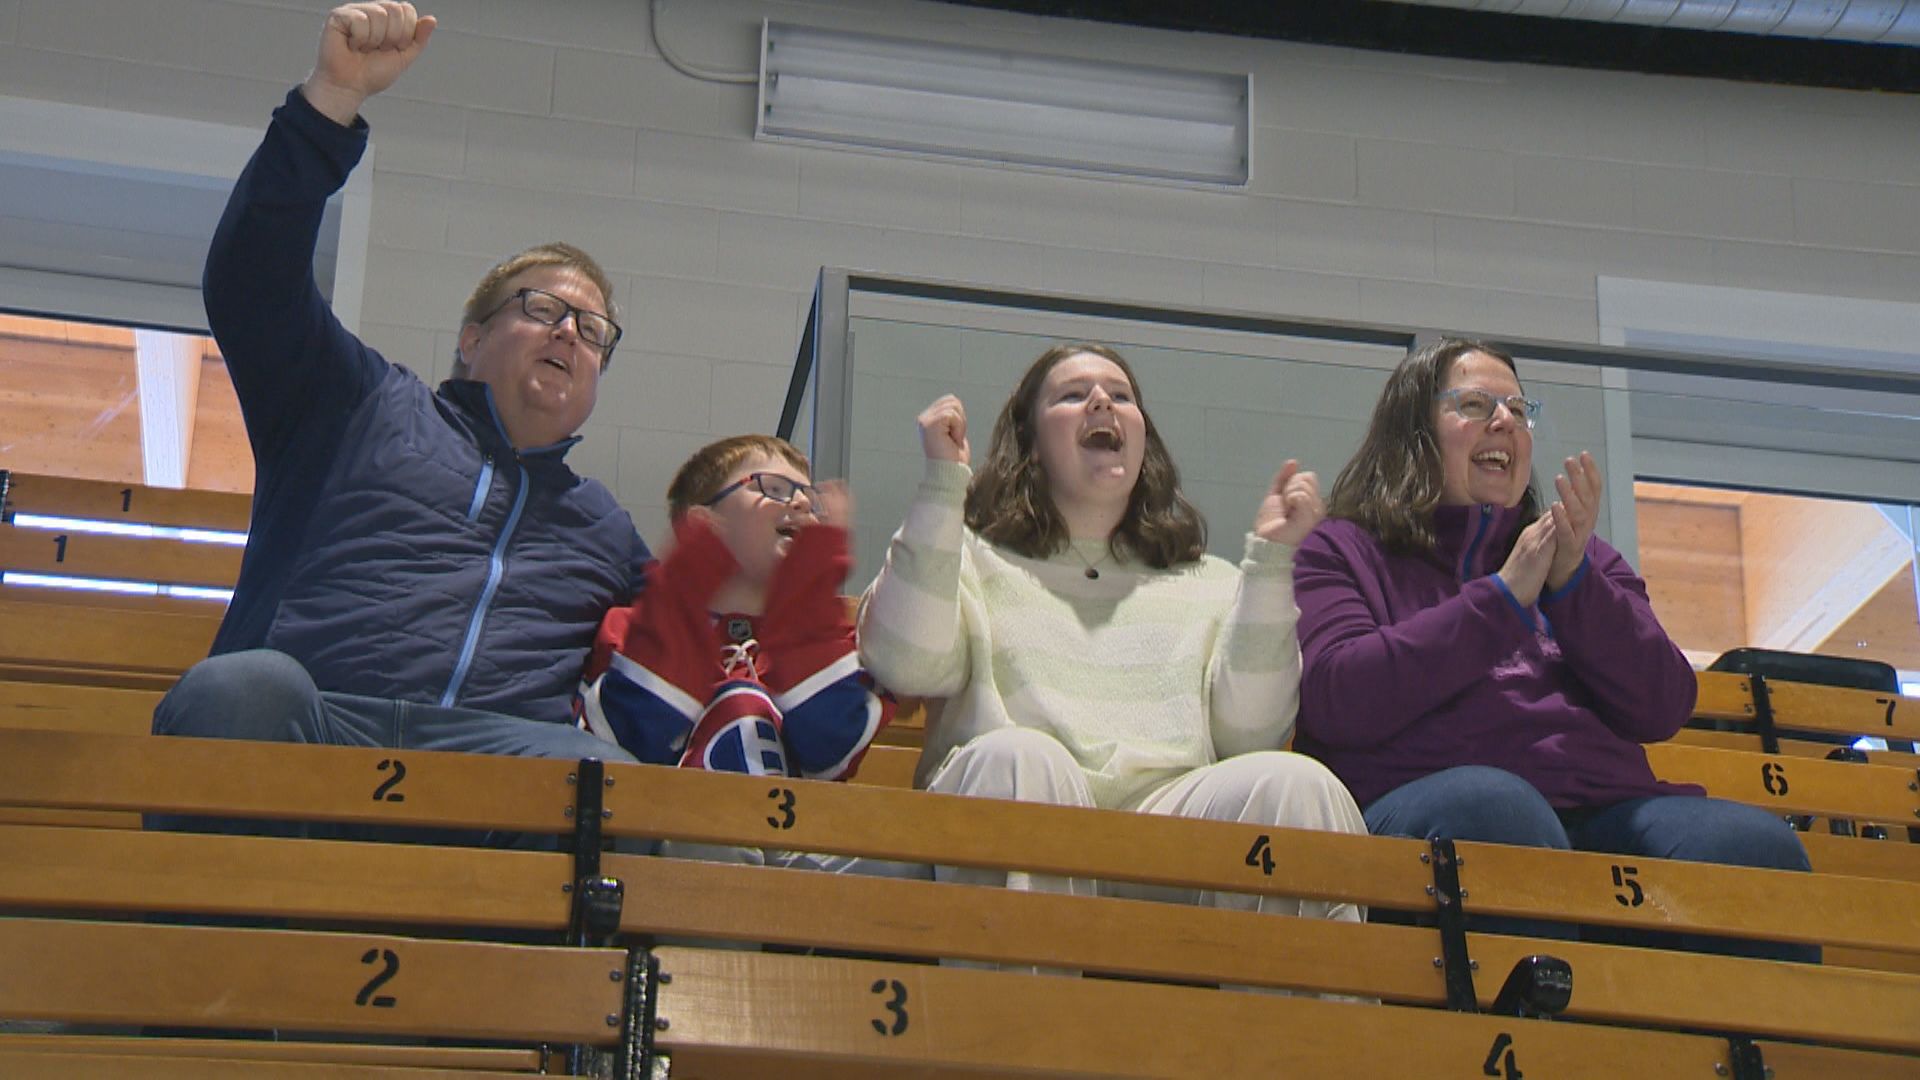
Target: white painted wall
[[1460, 195]]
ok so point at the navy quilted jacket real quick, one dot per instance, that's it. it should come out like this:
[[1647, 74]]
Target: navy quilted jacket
[[400, 546]]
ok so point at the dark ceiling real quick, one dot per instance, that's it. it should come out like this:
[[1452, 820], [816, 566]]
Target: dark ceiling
[[1436, 31]]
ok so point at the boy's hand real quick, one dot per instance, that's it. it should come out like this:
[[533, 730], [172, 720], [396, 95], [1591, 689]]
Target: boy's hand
[[363, 49], [943, 431], [834, 506]]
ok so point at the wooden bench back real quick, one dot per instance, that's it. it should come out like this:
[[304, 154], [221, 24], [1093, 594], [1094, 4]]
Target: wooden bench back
[[748, 1014], [359, 883], [1807, 707], [130, 504], [52, 526], [362, 983], [102, 871]]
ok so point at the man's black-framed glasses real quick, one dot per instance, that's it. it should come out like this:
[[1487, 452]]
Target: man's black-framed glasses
[[549, 310], [1479, 405], [780, 489]]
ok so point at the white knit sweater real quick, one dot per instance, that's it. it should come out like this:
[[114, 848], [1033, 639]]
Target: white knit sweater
[[1142, 674]]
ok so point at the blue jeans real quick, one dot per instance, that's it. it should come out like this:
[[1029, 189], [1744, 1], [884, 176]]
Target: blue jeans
[[1475, 802], [267, 696]]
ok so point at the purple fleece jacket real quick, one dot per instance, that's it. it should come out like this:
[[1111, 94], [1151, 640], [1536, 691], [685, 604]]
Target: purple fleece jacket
[[1418, 663]]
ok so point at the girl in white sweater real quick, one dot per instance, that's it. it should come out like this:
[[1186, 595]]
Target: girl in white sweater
[[1089, 651]]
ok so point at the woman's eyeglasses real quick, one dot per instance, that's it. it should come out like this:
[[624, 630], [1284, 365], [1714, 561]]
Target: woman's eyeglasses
[[1479, 406]]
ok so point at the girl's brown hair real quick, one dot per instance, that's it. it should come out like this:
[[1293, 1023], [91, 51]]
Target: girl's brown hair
[[1008, 501], [1395, 481]]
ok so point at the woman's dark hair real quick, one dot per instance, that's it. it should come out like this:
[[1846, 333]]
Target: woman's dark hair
[[1008, 501], [1395, 479]]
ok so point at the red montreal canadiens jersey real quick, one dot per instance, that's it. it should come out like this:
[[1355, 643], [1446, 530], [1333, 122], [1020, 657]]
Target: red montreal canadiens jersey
[[779, 694]]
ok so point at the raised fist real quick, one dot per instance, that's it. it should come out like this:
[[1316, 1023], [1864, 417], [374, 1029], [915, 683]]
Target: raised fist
[[943, 431], [1291, 508], [363, 49]]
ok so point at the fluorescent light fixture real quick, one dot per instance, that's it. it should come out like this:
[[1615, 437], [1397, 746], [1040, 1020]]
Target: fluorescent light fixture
[[51, 581], [978, 104], [120, 528], [131, 588]]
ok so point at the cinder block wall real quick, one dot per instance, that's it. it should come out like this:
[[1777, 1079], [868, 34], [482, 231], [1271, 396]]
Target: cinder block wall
[[1386, 188]]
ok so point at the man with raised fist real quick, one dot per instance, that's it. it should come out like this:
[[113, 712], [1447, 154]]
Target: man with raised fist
[[423, 569]]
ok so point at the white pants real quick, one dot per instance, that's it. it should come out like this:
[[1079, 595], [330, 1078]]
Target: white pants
[[1268, 787]]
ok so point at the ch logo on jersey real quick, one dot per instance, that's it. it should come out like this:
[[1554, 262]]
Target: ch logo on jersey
[[739, 732]]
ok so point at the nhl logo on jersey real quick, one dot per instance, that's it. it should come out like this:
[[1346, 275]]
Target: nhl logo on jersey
[[738, 732]]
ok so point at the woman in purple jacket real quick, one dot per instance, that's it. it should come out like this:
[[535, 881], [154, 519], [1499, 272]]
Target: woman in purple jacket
[[1481, 667]]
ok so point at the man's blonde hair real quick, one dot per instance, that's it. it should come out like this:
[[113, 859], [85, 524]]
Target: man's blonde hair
[[492, 290], [706, 472]]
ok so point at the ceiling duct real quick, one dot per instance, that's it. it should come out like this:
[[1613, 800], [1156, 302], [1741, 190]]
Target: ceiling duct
[[1879, 22]]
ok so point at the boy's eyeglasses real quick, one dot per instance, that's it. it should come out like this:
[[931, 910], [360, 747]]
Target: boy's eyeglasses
[[549, 310], [779, 488], [1479, 406]]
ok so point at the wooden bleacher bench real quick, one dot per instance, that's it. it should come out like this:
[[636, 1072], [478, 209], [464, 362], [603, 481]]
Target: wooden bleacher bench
[[724, 1011], [89, 668], [1807, 707], [100, 500], [127, 558], [1802, 785], [94, 661], [132, 642]]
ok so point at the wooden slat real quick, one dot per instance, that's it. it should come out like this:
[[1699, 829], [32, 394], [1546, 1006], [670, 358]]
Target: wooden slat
[[924, 827], [114, 870], [67, 707], [81, 638], [1668, 988], [240, 779], [54, 706], [467, 1059], [1831, 788], [1789, 746], [892, 766], [1871, 960], [734, 1014], [120, 558], [156, 682], [883, 766], [79, 870], [381, 883], [119, 973], [141, 603], [99, 500], [70, 1065], [1170, 941], [87, 819], [689, 899], [387, 884], [1726, 696], [1792, 1060], [153, 681], [1892, 859], [1662, 894], [915, 826]]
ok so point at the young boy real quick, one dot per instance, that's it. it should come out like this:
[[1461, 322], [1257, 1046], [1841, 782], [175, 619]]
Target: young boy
[[738, 655]]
